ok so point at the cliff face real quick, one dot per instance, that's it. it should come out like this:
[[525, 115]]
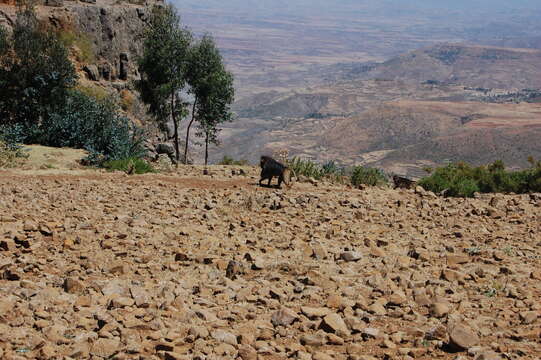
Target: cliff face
[[104, 35], [115, 32]]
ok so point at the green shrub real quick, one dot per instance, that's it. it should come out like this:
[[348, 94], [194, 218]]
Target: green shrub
[[10, 155], [96, 126], [84, 123], [463, 180], [38, 103], [12, 136], [368, 176], [228, 160], [35, 71], [307, 168], [334, 172], [332, 168], [70, 38], [130, 165]]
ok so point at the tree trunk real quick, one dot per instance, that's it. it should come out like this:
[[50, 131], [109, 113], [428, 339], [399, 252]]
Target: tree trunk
[[175, 124], [206, 149], [188, 132]]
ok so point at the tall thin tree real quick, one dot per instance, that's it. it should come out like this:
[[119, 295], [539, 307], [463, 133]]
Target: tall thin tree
[[216, 109], [163, 68], [212, 87]]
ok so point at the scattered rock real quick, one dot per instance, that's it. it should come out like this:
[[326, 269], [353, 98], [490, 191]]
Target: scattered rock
[[246, 352], [463, 337], [140, 296], [176, 266], [321, 356], [283, 317], [105, 348], [315, 312], [488, 355], [225, 337], [234, 269], [314, 340], [351, 256], [335, 323], [199, 332], [371, 333], [529, 317], [120, 302], [439, 309], [74, 286], [91, 70]]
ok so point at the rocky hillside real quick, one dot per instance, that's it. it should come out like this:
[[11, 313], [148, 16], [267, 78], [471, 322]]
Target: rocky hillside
[[113, 29], [104, 37], [107, 266]]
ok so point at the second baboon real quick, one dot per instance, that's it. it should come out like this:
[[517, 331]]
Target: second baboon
[[401, 182]]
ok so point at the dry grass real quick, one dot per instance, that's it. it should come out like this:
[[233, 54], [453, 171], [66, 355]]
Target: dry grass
[[94, 91], [10, 158], [79, 44], [44, 157], [127, 100]]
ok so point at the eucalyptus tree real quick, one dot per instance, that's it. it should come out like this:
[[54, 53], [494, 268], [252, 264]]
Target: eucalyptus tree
[[212, 88], [163, 67]]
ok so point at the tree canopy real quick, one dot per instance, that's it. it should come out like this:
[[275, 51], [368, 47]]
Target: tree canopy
[[212, 87], [172, 66], [35, 71]]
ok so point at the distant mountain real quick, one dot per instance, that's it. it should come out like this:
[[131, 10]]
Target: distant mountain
[[480, 66], [443, 103], [379, 82], [446, 64], [278, 39]]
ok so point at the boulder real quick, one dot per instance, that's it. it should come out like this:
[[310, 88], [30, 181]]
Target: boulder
[[463, 337], [334, 323], [92, 72]]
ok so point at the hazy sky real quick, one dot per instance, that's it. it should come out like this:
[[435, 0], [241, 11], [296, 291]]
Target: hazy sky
[[311, 6], [261, 34], [491, 15]]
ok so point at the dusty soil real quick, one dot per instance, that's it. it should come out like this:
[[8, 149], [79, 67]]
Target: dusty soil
[[187, 266]]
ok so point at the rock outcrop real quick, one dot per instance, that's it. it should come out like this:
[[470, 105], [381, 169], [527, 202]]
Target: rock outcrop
[[112, 30]]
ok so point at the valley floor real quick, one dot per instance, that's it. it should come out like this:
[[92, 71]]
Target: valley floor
[[187, 266]]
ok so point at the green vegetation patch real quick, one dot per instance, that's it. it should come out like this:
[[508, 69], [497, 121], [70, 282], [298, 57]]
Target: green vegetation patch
[[130, 166], [73, 39], [368, 176], [463, 180], [308, 168], [332, 171], [11, 156], [228, 160], [95, 92]]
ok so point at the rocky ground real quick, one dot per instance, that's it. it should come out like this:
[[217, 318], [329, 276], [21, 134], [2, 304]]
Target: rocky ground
[[187, 266]]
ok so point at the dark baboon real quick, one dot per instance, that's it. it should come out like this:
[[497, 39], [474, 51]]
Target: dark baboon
[[401, 182], [271, 168]]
